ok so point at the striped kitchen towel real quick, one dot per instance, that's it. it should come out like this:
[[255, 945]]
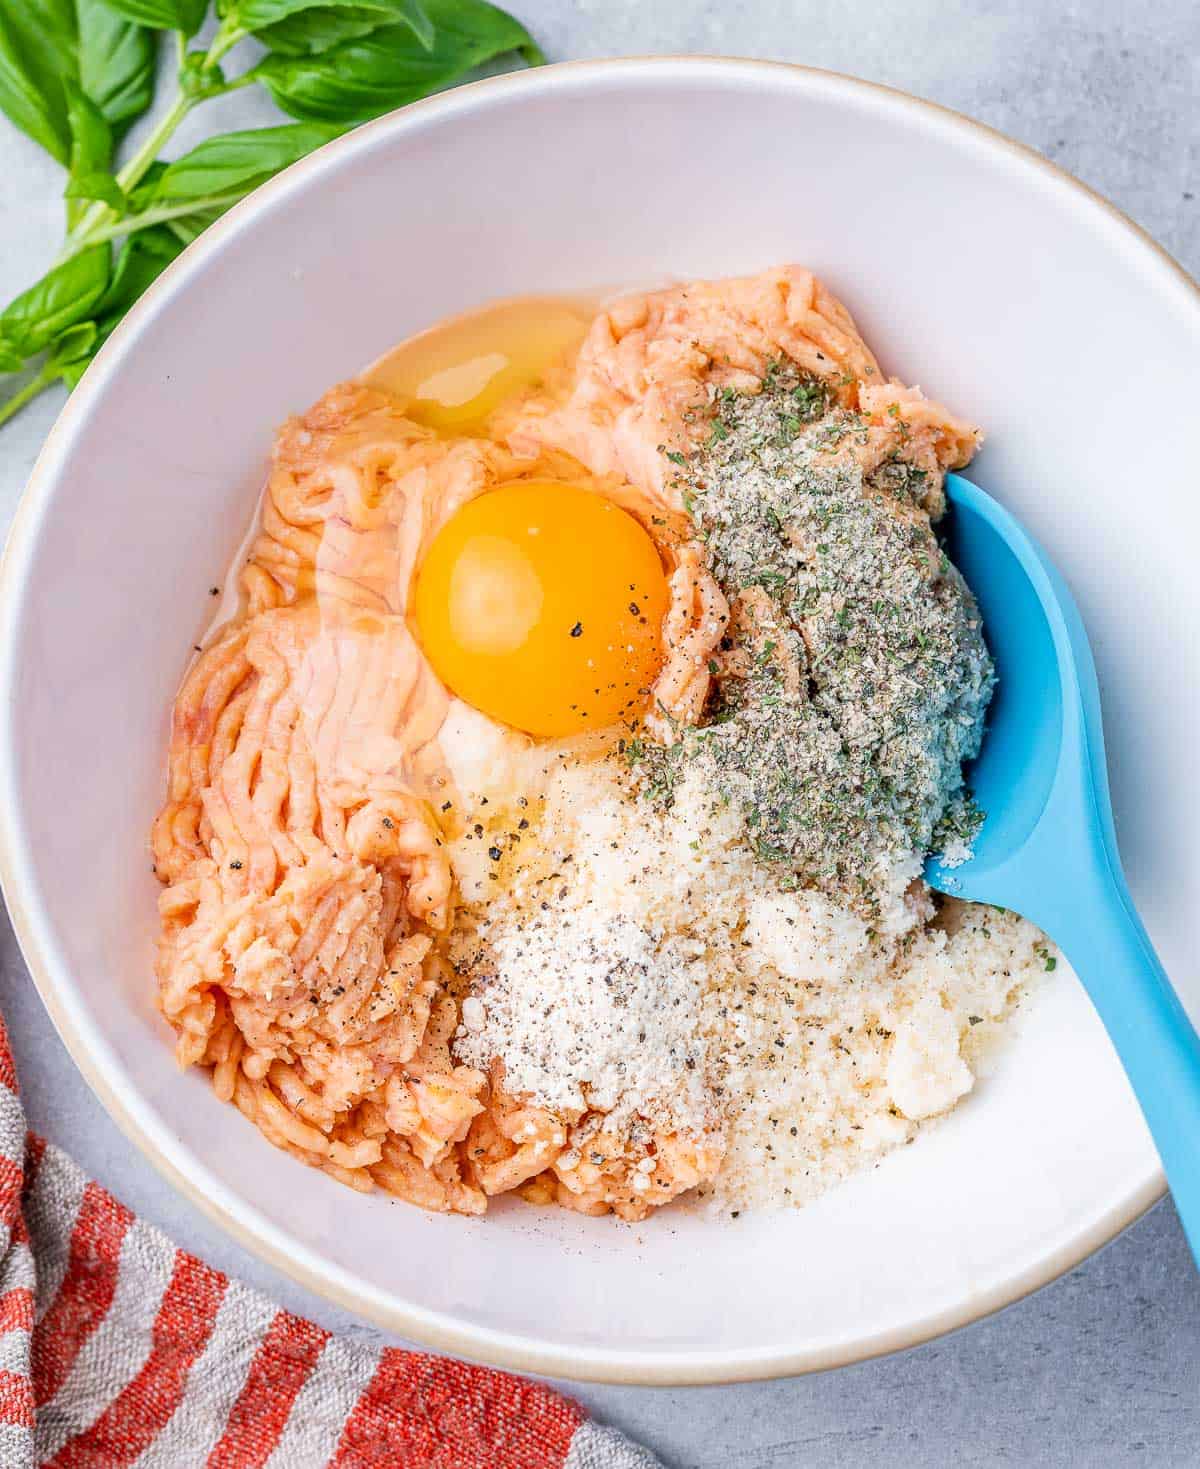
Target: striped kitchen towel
[[117, 1349]]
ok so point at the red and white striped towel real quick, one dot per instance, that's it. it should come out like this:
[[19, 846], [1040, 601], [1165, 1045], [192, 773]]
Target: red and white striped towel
[[117, 1349]]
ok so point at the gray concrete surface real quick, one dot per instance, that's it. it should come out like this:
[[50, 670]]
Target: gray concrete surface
[[1102, 1368]]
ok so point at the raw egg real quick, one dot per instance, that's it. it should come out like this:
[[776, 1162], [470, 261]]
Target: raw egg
[[454, 376], [542, 604]]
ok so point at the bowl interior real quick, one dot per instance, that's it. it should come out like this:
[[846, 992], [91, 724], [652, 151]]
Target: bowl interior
[[972, 270]]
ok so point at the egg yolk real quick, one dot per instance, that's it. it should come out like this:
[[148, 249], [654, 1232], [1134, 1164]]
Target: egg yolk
[[542, 604]]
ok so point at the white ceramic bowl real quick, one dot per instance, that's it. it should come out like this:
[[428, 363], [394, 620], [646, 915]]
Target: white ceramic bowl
[[974, 268]]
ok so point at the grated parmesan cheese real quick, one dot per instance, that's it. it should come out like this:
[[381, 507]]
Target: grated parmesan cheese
[[818, 1044], [588, 1010]]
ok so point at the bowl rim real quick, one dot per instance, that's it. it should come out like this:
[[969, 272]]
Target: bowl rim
[[35, 932]]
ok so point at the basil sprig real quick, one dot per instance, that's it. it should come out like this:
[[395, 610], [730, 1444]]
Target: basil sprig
[[76, 74], [388, 65]]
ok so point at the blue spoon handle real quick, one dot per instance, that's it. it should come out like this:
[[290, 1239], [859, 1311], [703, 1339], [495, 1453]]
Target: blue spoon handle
[[1111, 952]]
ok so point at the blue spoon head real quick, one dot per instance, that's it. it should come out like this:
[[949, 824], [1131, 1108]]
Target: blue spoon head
[[1015, 771], [1047, 848]]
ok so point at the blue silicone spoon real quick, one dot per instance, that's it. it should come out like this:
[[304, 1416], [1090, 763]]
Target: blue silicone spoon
[[1047, 848]]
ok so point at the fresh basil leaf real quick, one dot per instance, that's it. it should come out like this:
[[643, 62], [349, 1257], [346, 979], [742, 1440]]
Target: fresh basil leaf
[[116, 63], [62, 297], [38, 50], [76, 342], [187, 226], [91, 153], [374, 74], [45, 45], [98, 184], [200, 78], [140, 196], [257, 15], [10, 360], [474, 25], [165, 15], [143, 195], [71, 354], [237, 162], [91, 136], [72, 371], [141, 260], [309, 32]]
